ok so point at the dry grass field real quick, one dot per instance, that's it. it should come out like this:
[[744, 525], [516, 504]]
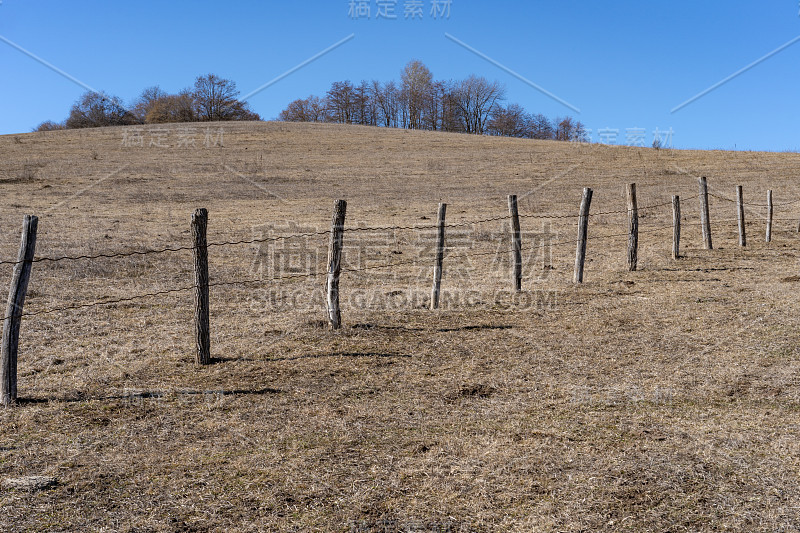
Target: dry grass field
[[664, 400]]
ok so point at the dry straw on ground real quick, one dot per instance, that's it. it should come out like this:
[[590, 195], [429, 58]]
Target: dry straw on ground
[[659, 400]]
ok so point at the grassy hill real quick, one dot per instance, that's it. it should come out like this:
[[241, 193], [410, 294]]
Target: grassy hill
[[659, 400]]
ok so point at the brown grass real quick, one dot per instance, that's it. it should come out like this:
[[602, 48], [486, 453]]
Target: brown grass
[[660, 400]]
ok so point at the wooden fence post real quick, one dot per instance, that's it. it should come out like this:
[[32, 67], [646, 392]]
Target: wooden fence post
[[516, 242], [769, 215], [633, 228], [202, 326], [676, 227], [704, 214], [437, 268], [13, 316], [583, 230], [335, 265], [740, 216]]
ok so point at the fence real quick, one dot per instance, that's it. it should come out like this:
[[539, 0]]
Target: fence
[[22, 267]]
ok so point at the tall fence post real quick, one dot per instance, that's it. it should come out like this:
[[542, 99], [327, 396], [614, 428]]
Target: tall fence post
[[740, 216], [633, 228], [335, 265], [13, 316], [202, 326], [516, 242], [437, 268], [769, 215], [583, 231], [676, 227], [705, 219]]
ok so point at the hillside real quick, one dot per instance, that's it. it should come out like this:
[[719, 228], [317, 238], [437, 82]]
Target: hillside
[[659, 400]]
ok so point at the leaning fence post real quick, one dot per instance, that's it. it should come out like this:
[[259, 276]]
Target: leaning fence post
[[335, 265], [676, 227], [13, 316], [516, 242], [740, 216], [437, 269], [704, 214], [769, 215], [633, 228], [583, 230], [202, 327]]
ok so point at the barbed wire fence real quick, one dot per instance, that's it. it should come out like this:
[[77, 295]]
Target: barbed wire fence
[[22, 266]]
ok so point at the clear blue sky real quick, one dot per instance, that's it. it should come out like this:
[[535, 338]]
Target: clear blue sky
[[625, 65]]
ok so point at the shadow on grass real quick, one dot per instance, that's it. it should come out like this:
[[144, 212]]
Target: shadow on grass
[[78, 397], [339, 354], [458, 328]]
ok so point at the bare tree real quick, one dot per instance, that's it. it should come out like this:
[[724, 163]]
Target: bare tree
[[94, 110], [386, 100], [473, 105], [215, 99], [416, 81], [569, 129], [540, 127], [49, 125], [363, 105], [511, 121], [341, 102], [311, 109], [450, 110], [144, 103], [476, 98], [171, 108]]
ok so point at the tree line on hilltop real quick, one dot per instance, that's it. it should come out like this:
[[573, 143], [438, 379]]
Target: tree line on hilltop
[[473, 105], [211, 98]]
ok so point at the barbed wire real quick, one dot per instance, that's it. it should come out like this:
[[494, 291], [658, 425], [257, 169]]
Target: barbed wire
[[261, 240], [414, 262], [752, 204]]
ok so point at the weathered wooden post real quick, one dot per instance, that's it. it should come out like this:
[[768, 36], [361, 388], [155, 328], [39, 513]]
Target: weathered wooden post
[[705, 219], [633, 228], [769, 215], [516, 242], [335, 265], [201, 301], [583, 230], [13, 317], [437, 268], [676, 227], [740, 216]]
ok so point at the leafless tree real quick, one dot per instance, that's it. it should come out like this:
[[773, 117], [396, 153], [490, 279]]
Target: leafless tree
[[386, 99], [569, 129], [473, 105], [311, 109], [171, 108], [94, 110], [363, 105], [476, 98], [215, 98], [49, 125], [341, 102], [144, 103], [511, 121], [416, 81], [540, 127]]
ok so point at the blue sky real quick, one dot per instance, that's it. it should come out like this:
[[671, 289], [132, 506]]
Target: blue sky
[[625, 65]]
